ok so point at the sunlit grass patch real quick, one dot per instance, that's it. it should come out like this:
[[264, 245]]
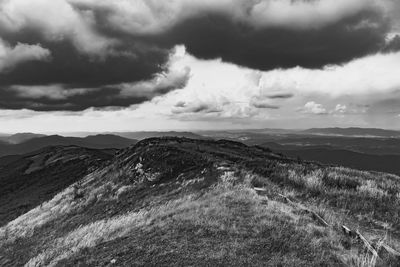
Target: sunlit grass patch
[[88, 236], [74, 198], [370, 188], [229, 210]]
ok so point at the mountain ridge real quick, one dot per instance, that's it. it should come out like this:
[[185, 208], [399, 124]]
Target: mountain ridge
[[354, 131], [20, 137], [179, 201], [96, 142]]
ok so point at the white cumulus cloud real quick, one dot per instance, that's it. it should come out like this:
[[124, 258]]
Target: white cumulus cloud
[[314, 108], [12, 56], [340, 108], [56, 20]]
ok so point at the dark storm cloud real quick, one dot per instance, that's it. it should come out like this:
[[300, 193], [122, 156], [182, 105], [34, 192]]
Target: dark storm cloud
[[61, 97], [204, 108], [109, 49], [68, 66], [98, 98], [215, 36], [280, 96], [262, 104], [212, 33]]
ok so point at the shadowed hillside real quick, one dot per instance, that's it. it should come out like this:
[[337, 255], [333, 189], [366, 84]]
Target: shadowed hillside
[[28, 180], [183, 202]]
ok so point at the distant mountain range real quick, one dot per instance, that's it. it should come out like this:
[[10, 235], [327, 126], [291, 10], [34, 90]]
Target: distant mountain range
[[95, 142], [145, 134], [19, 138], [354, 131], [22, 143], [361, 148]]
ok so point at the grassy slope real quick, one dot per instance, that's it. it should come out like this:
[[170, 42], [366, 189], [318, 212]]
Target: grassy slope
[[182, 202], [39, 176]]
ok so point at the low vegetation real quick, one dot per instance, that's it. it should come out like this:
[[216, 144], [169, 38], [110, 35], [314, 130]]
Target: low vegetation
[[29, 180], [182, 202], [247, 226]]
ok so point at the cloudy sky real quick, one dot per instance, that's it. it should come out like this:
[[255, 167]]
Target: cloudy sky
[[106, 65]]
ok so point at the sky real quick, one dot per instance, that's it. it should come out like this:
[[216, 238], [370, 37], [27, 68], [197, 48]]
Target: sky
[[131, 65]]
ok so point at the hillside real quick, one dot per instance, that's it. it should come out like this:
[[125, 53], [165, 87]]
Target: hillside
[[8, 159], [94, 142], [28, 180], [183, 202]]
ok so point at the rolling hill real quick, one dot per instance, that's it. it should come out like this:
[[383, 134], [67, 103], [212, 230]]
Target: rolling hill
[[95, 142], [149, 134], [184, 202], [28, 180]]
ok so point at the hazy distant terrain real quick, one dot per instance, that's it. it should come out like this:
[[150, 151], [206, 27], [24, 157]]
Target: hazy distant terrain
[[19, 138], [144, 135], [360, 148], [353, 131], [28, 142], [97, 142]]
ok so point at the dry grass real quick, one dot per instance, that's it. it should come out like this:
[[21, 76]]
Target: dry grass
[[358, 192], [25, 225], [63, 203], [366, 258], [88, 236], [91, 189], [234, 210], [227, 222], [344, 196]]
